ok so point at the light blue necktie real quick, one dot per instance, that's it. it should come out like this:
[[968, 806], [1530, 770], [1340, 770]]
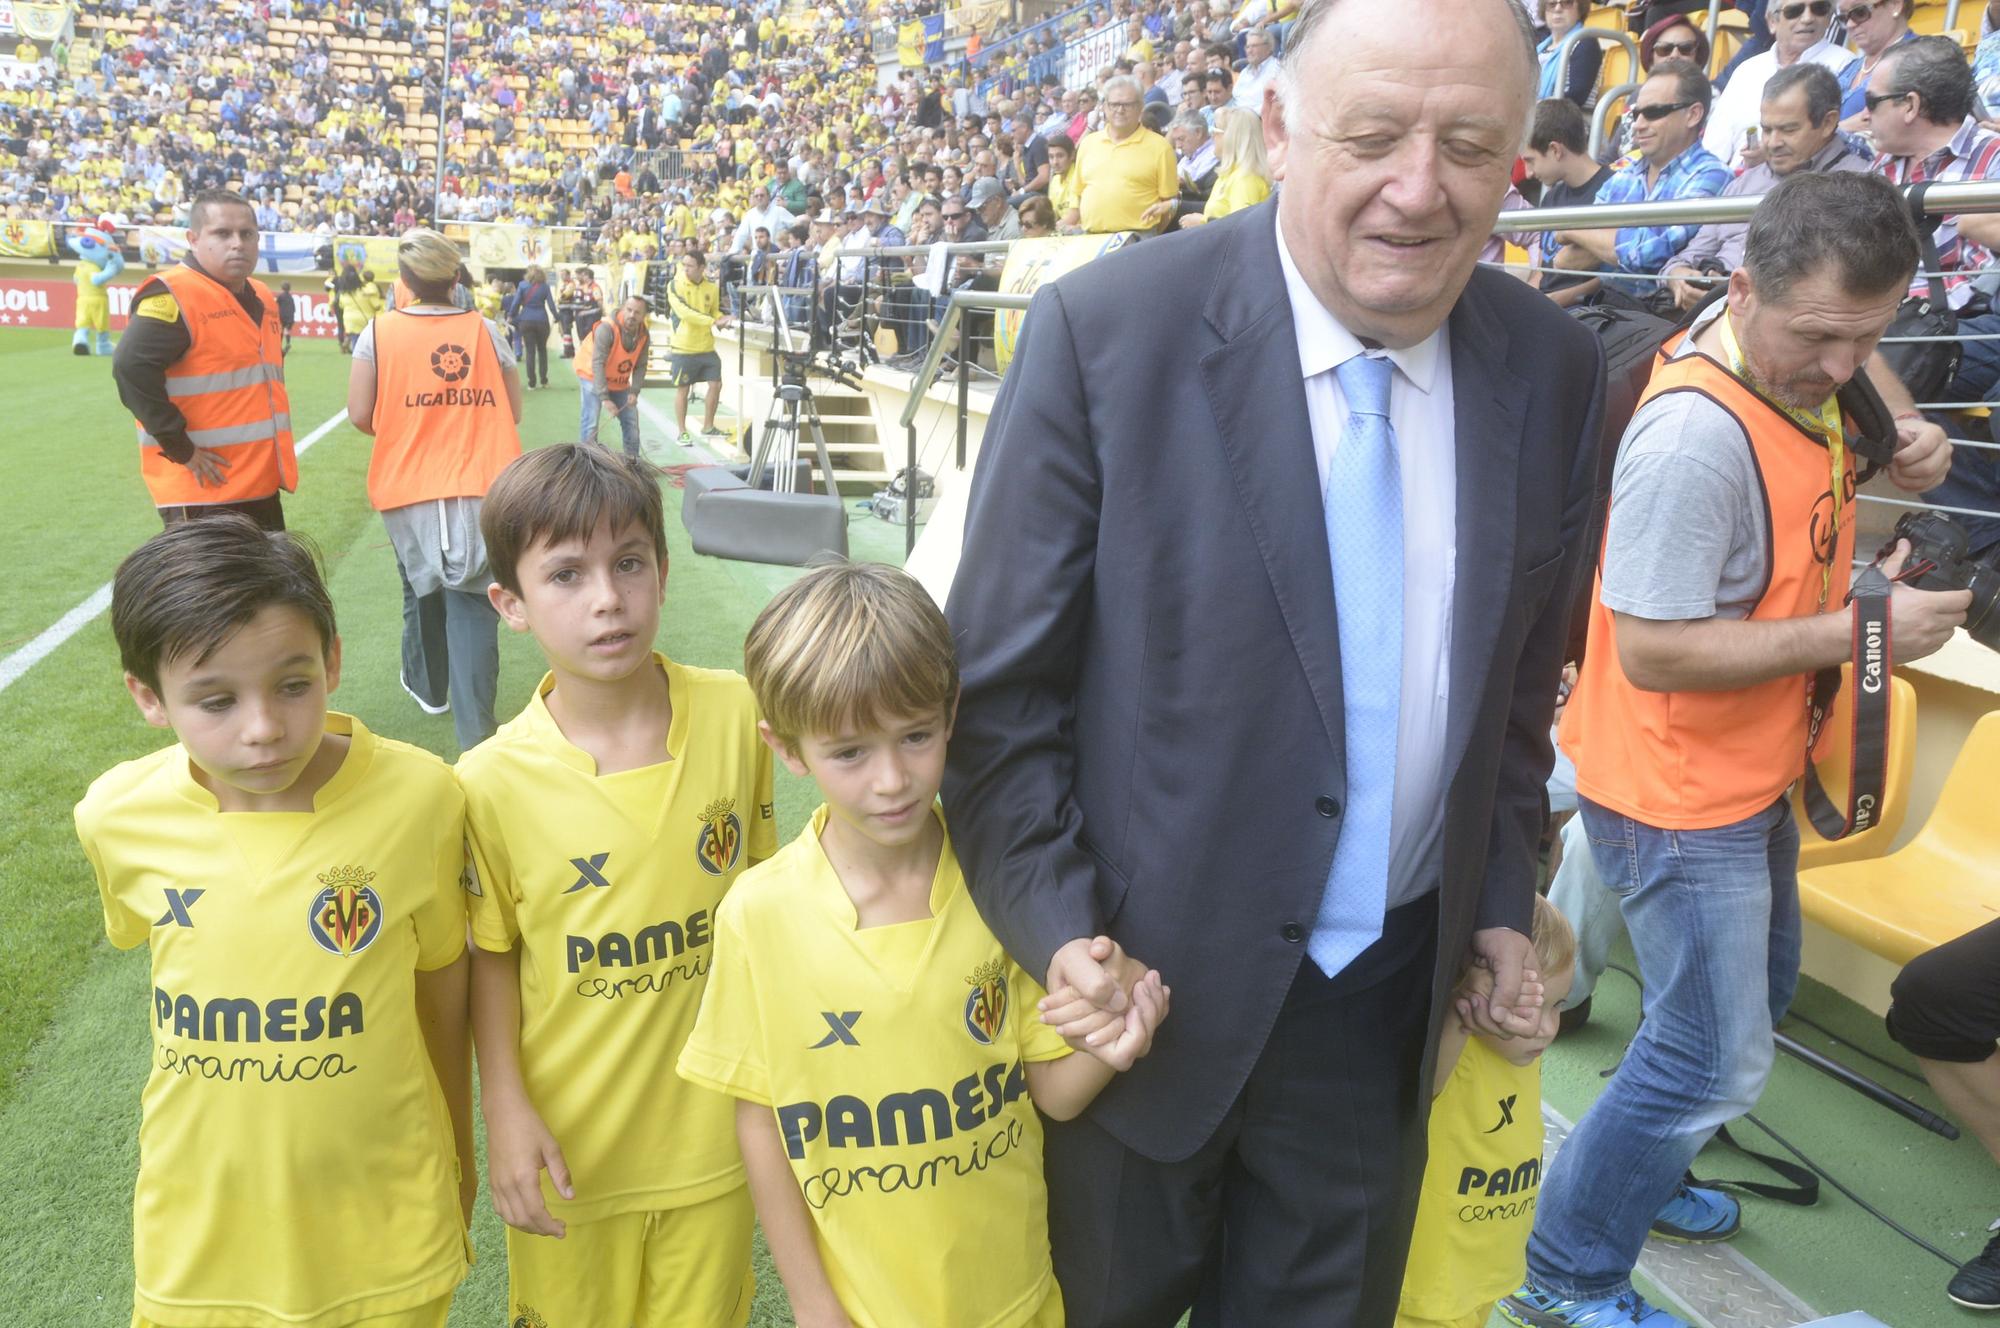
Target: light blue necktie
[[1364, 536]]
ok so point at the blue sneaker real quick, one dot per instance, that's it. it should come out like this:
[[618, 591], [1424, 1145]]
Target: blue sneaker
[[1698, 1217], [1533, 1308]]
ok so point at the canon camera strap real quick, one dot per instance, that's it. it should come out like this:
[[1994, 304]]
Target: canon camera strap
[[1868, 730]]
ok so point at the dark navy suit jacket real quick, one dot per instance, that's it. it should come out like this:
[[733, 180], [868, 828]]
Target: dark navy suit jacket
[[1149, 742]]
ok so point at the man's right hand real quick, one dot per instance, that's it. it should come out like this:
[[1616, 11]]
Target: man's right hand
[[1098, 977], [1920, 621], [209, 467], [1685, 293]]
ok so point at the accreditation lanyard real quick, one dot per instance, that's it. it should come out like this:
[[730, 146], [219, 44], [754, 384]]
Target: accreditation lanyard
[[1868, 726], [1823, 423]]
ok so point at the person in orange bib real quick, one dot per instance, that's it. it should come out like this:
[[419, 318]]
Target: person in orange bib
[[1722, 591], [440, 391], [612, 365], [201, 367]]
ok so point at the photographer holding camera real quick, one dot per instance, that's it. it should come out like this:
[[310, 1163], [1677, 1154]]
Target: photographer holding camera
[[1722, 591]]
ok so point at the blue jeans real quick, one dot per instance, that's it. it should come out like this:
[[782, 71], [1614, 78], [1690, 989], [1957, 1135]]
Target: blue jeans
[[1714, 920], [628, 419]]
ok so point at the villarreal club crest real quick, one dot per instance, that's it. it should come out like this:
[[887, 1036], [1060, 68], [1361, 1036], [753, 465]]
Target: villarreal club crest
[[986, 1003], [346, 914], [721, 840]]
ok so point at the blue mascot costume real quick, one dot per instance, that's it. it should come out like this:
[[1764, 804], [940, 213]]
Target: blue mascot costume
[[98, 261]]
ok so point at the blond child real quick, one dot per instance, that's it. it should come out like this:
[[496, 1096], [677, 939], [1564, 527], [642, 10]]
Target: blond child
[[884, 1051], [1477, 1204]]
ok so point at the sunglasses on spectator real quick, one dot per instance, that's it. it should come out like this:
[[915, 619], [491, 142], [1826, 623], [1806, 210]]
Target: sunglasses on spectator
[[1874, 99], [1857, 15], [1660, 110], [1670, 50], [1818, 8]]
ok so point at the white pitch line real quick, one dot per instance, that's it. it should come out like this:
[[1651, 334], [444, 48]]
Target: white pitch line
[[63, 628]]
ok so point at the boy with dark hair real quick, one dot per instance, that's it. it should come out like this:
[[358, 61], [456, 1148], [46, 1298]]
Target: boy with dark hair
[[606, 821], [1558, 156], [305, 1144], [887, 1057]]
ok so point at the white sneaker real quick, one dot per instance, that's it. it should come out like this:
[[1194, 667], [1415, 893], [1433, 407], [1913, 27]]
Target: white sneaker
[[422, 704]]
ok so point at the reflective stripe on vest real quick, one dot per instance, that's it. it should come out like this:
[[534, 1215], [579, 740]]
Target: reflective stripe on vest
[[1698, 760], [618, 365], [444, 427], [230, 388]]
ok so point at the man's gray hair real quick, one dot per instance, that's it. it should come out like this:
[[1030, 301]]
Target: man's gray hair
[[1117, 83], [1192, 122], [1822, 88], [1935, 69], [1313, 12]]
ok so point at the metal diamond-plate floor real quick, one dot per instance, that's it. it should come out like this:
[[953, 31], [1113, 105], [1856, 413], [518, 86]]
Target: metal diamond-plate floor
[[1711, 1286]]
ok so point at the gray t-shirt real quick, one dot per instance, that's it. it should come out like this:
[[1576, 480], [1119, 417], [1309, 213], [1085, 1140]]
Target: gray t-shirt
[[1687, 530]]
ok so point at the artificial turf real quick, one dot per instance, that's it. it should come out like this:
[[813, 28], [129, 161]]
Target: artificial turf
[[73, 1032]]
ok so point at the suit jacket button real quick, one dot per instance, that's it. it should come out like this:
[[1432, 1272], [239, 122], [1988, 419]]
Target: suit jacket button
[[1292, 932], [1327, 807]]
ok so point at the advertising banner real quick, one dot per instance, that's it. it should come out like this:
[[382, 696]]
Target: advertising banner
[[36, 303], [1032, 262], [375, 253], [1086, 56]]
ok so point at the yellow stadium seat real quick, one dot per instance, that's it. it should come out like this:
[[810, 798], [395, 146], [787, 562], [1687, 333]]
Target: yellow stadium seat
[[1833, 772], [1929, 16], [1732, 29], [1934, 889]]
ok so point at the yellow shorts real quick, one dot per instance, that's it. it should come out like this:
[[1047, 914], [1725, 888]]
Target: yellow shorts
[[423, 1316], [1476, 1319], [1049, 1314], [670, 1268]]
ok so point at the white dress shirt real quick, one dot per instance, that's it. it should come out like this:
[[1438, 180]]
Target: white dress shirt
[[1420, 410]]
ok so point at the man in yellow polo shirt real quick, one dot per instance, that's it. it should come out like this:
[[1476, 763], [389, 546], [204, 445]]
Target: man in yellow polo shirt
[[1127, 175]]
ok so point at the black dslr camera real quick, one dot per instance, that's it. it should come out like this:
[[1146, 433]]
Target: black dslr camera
[[1939, 561]]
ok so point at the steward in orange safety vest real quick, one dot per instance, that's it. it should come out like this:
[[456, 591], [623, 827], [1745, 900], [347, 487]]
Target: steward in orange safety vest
[[611, 364], [201, 368], [435, 387], [1691, 760], [1723, 594], [444, 427]]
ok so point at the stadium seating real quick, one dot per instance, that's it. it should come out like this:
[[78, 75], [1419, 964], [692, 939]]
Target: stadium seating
[[1834, 770], [1937, 887]]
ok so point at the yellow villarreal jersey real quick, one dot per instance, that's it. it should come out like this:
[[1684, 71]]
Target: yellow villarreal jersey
[[894, 1058], [1477, 1205], [295, 1154], [609, 885]]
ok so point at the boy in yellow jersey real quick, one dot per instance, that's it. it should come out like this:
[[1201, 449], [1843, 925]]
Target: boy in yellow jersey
[[305, 1133], [607, 820], [887, 1056], [1477, 1204], [696, 305]]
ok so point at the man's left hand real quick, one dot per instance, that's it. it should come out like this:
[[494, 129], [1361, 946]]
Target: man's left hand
[[1503, 994], [1923, 457]]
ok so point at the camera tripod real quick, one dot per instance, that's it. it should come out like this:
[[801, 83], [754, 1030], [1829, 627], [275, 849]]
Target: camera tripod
[[792, 408]]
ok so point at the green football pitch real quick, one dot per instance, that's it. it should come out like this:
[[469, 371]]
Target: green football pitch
[[73, 1033]]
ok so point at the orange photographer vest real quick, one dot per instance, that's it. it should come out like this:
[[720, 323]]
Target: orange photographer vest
[[443, 425], [1698, 760], [230, 387], [618, 365]]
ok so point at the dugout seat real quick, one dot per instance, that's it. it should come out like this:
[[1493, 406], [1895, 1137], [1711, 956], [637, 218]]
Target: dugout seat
[[1934, 889], [1834, 771]]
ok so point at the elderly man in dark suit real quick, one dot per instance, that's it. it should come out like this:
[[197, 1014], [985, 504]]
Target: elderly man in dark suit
[[1262, 607]]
